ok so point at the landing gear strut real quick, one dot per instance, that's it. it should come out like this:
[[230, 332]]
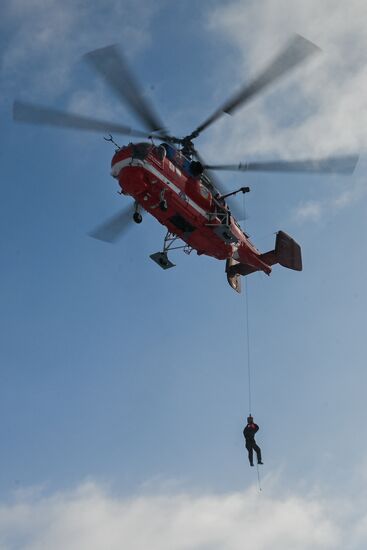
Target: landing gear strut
[[161, 258]]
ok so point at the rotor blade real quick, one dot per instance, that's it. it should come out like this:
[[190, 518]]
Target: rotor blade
[[331, 165], [111, 65], [296, 51], [35, 114], [115, 226]]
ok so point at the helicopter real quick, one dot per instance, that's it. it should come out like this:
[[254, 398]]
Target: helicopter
[[171, 181]]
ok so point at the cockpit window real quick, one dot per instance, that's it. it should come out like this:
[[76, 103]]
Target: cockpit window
[[141, 150], [160, 152]]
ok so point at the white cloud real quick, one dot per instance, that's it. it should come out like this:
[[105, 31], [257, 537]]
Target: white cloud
[[308, 211], [47, 39], [89, 517], [315, 210], [318, 109]]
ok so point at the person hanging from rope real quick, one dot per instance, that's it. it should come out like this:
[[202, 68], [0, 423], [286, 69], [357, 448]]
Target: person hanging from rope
[[251, 445]]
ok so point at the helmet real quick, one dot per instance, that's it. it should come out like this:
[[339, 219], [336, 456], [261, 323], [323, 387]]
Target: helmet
[[250, 419]]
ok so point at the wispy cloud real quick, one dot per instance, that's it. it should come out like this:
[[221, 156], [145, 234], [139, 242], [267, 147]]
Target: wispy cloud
[[89, 517], [315, 210], [46, 39], [308, 211], [322, 107]]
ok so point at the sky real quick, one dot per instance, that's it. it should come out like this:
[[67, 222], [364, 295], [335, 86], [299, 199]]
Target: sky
[[123, 387]]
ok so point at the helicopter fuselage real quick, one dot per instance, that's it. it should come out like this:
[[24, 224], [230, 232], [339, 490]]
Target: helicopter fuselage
[[161, 181]]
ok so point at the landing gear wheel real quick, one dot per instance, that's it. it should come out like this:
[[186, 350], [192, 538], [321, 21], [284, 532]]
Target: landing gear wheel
[[138, 218], [163, 205]]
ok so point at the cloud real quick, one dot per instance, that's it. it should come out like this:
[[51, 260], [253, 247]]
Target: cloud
[[90, 517], [46, 39], [308, 211], [315, 210], [319, 109]]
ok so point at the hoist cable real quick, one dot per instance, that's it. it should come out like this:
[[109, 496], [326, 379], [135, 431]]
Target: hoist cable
[[249, 377], [247, 329], [258, 477]]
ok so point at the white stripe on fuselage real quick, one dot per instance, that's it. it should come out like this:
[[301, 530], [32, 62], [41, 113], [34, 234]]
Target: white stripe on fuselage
[[116, 169]]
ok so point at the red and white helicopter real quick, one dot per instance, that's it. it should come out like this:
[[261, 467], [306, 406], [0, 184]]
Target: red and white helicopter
[[172, 182]]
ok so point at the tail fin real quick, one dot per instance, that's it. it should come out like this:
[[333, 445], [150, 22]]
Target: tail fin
[[286, 253]]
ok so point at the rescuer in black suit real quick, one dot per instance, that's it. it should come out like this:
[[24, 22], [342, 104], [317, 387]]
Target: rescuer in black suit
[[249, 435]]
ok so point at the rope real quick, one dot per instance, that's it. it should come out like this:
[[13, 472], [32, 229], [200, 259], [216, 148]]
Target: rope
[[247, 329], [258, 477], [249, 377], [247, 326]]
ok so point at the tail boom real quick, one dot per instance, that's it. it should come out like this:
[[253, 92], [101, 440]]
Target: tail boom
[[287, 253]]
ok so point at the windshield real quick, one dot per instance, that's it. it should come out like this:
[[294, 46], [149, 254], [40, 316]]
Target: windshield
[[141, 150]]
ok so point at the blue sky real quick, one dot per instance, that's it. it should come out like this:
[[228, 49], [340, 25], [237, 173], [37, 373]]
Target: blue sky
[[123, 386]]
